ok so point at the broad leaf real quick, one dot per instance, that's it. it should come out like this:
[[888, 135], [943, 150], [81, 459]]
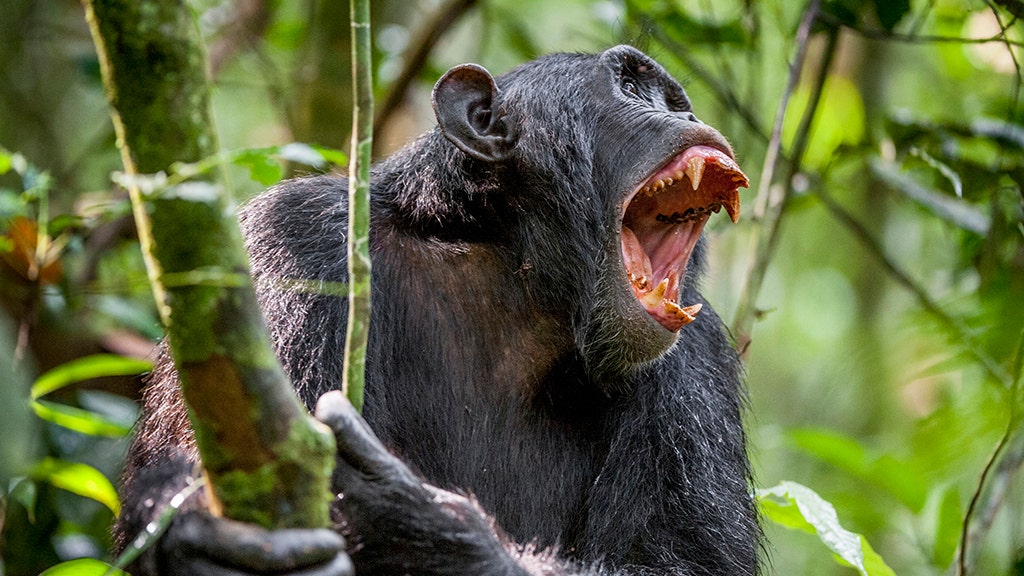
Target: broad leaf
[[80, 420], [797, 507], [898, 478], [5, 161]]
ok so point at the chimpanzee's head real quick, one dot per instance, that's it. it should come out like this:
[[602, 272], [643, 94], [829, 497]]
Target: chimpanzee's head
[[601, 177]]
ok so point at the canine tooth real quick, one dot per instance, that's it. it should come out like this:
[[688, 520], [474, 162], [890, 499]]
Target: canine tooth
[[732, 206], [657, 296], [687, 315], [695, 170], [660, 289]]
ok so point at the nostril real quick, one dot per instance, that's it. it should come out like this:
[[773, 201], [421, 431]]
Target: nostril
[[692, 117]]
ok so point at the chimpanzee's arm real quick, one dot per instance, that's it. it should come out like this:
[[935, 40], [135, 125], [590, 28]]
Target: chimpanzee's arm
[[400, 524]]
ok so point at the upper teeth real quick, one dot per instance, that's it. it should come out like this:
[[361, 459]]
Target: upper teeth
[[694, 171]]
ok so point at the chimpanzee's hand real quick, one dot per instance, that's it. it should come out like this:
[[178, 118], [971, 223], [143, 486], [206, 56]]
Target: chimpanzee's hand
[[203, 545], [397, 523]]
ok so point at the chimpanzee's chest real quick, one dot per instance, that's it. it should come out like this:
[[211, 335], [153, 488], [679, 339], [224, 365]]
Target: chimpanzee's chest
[[531, 468]]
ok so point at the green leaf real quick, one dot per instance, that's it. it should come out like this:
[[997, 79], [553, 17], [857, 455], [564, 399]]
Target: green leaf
[[129, 313], [517, 34], [25, 491], [947, 530], [83, 567], [693, 32], [287, 33], [797, 507], [63, 222], [890, 12], [85, 368], [78, 478], [336, 157], [839, 120], [953, 210], [80, 420], [262, 164], [898, 478], [5, 161], [302, 154]]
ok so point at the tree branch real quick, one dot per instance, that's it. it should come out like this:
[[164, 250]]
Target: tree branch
[[766, 212], [877, 34], [993, 368], [1005, 462]]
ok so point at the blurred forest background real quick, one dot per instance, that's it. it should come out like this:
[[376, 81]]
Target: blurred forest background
[[875, 280]]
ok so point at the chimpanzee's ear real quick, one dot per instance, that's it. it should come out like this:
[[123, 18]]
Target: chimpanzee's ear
[[464, 102]]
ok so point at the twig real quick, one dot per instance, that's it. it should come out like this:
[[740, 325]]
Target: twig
[[1012, 6], [1013, 56], [416, 56], [1007, 467], [997, 486], [769, 215], [876, 34]]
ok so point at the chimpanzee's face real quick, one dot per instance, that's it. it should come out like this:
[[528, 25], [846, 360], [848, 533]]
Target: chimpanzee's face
[[662, 174], [607, 180]]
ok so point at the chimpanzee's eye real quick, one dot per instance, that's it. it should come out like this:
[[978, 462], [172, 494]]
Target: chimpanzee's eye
[[629, 87]]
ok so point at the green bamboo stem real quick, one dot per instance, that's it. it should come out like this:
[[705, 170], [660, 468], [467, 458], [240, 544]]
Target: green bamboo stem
[[359, 205]]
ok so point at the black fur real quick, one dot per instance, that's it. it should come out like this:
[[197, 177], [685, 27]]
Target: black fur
[[507, 357]]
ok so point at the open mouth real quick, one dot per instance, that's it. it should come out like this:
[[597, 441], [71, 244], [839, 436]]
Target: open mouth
[[662, 221]]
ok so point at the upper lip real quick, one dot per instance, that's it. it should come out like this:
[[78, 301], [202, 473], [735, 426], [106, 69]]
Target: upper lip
[[663, 218]]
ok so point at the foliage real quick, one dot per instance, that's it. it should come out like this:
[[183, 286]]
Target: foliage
[[798, 507], [884, 342]]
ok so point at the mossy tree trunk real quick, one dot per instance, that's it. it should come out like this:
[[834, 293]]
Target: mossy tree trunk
[[266, 459]]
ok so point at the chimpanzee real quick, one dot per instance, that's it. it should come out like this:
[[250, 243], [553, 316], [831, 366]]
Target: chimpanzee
[[536, 350]]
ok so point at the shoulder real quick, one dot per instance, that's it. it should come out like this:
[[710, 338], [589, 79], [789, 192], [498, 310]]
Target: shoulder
[[297, 226], [302, 199]]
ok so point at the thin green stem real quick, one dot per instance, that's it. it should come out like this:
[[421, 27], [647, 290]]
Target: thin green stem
[[359, 205], [766, 211]]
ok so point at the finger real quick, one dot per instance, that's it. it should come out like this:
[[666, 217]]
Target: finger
[[251, 547], [339, 565], [357, 444]]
